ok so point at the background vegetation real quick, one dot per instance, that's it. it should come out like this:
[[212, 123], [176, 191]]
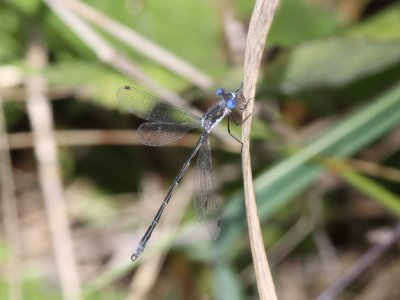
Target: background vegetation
[[325, 151]]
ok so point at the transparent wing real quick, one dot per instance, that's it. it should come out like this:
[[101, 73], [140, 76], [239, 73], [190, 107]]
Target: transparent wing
[[205, 200], [150, 108], [159, 134]]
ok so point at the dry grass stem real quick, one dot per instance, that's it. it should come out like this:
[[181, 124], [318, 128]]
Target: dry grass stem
[[259, 26], [41, 119]]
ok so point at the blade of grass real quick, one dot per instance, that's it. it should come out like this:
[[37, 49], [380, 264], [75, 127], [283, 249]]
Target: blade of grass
[[366, 185]]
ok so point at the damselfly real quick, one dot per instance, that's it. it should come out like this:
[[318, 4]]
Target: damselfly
[[166, 124]]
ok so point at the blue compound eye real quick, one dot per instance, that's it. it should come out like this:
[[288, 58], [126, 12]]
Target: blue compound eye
[[231, 103], [220, 92]]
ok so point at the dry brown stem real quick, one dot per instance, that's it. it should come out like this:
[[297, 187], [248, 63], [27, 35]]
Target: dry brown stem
[[259, 26], [41, 119]]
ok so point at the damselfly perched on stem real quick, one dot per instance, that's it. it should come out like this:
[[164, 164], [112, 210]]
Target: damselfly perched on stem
[[166, 124]]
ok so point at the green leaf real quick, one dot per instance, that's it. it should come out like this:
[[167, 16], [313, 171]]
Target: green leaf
[[173, 25], [336, 62], [28, 7], [298, 21], [95, 81], [384, 26], [363, 50]]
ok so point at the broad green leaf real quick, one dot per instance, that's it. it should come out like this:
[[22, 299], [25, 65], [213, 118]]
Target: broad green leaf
[[367, 49], [384, 26], [336, 62], [173, 25], [92, 80], [298, 21], [28, 7]]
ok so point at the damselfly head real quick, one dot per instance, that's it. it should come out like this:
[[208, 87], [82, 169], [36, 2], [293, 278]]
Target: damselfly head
[[220, 92], [228, 98], [231, 100]]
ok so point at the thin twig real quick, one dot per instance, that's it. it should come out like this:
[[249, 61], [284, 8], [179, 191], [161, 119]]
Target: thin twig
[[39, 112], [10, 213], [360, 266], [259, 26], [142, 44]]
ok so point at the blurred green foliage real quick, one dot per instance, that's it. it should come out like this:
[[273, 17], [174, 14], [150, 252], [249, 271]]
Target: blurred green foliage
[[316, 22]]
